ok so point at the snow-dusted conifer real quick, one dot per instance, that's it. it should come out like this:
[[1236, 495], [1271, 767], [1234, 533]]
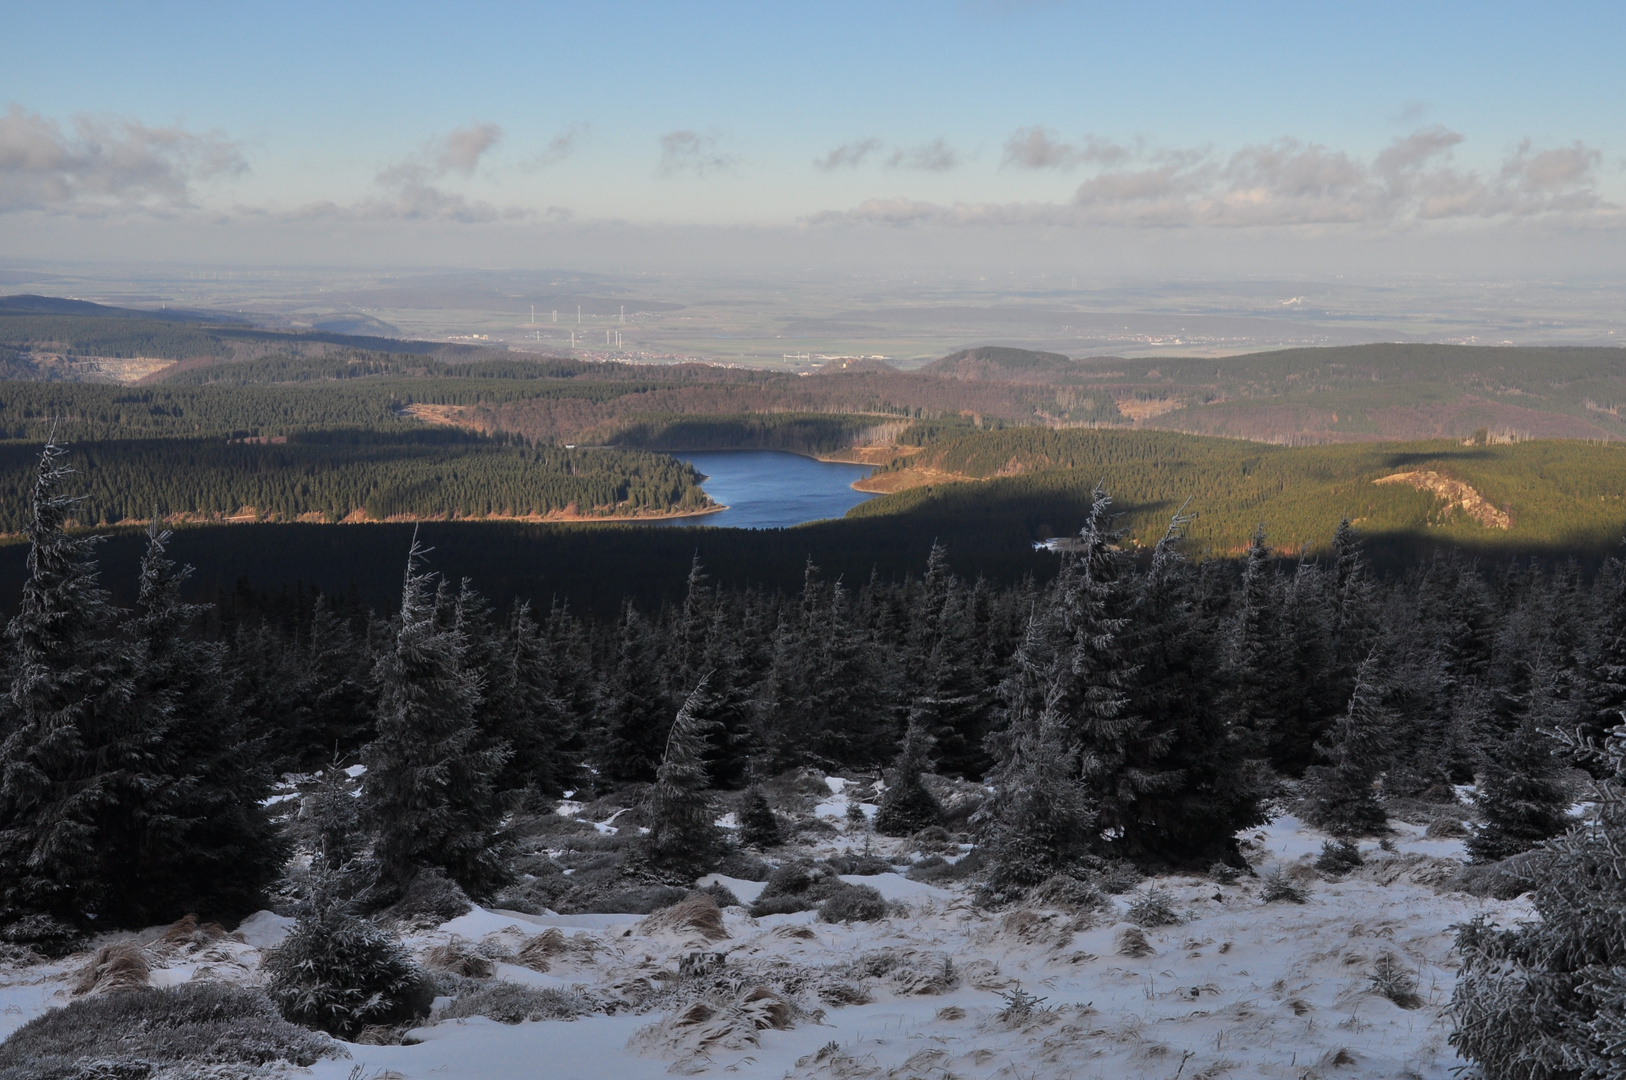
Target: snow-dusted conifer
[[1186, 785], [429, 791], [906, 806], [71, 747], [633, 714], [759, 828], [1340, 795], [1521, 797], [1038, 821], [195, 836], [1546, 999], [684, 840]]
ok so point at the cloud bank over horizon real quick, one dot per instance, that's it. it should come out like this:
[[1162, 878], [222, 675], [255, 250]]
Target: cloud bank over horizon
[[96, 166], [1070, 130]]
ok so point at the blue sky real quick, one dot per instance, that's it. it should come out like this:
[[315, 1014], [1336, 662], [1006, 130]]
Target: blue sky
[[1366, 119]]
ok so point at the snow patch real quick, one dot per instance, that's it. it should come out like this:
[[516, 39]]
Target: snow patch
[[265, 929], [747, 891]]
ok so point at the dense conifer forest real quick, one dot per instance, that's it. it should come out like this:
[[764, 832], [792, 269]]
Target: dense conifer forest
[[1155, 707]]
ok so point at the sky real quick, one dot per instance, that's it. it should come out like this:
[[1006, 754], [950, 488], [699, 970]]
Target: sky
[[1149, 138]]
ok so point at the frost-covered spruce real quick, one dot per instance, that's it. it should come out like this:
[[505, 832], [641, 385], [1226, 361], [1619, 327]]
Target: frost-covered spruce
[[429, 791], [1521, 797], [70, 740], [1037, 821], [1546, 1000], [684, 840], [340, 973], [759, 828], [906, 806], [1340, 797]]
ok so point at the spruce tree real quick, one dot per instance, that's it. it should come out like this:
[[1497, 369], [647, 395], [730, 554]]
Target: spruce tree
[[1038, 821], [197, 838], [1189, 786], [1542, 1000], [1096, 672], [1521, 797], [521, 711], [759, 828], [1603, 697], [634, 717], [684, 840], [1339, 795], [75, 757], [906, 806], [1256, 686], [429, 792]]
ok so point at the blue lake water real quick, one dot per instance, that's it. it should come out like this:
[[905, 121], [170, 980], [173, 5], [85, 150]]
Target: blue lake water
[[770, 489]]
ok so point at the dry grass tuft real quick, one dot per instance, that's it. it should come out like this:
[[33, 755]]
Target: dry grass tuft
[[457, 957], [696, 913], [115, 969], [1131, 941]]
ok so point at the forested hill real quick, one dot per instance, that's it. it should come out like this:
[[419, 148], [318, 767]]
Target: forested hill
[[994, 364], [1549, 495], [50, 326]]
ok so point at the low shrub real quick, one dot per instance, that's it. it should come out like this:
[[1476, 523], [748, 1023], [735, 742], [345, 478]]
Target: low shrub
[[722, 894], [801, 878], [1338, 857], [1278, 886], [339, 973], [936, 870], [432, 898], [1067, 893], [782, 905], [1391, 979], [745, 866], [865, 865], [511, 1003], [1154, 907], [854, 903], [1224, 873], [195, 1024]]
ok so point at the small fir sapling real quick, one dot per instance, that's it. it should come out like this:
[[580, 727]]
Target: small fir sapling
[[1338, 857], [906, 806], [339, 973], [1278, 886], [759, 827]]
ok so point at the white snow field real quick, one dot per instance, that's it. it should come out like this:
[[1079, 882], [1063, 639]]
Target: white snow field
[[1239, 988]]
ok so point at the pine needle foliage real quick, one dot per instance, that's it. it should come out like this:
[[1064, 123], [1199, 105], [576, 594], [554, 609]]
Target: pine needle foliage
[[1546, 999], [429, 793], [759, 828], [906, 806], [340, 973], [74, 755], [684, 840], [1341, 797]]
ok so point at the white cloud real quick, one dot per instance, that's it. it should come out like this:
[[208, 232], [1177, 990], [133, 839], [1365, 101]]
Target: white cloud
[[935, 156], [106, 164], [560, 147], [690, 151], [849, 155], [1038, 148], [1281, 183]]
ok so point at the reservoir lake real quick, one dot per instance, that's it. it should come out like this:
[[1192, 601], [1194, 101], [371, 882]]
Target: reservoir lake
[[772, 489]]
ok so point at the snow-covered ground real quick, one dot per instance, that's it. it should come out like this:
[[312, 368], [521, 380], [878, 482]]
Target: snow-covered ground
[[1238, 988]]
